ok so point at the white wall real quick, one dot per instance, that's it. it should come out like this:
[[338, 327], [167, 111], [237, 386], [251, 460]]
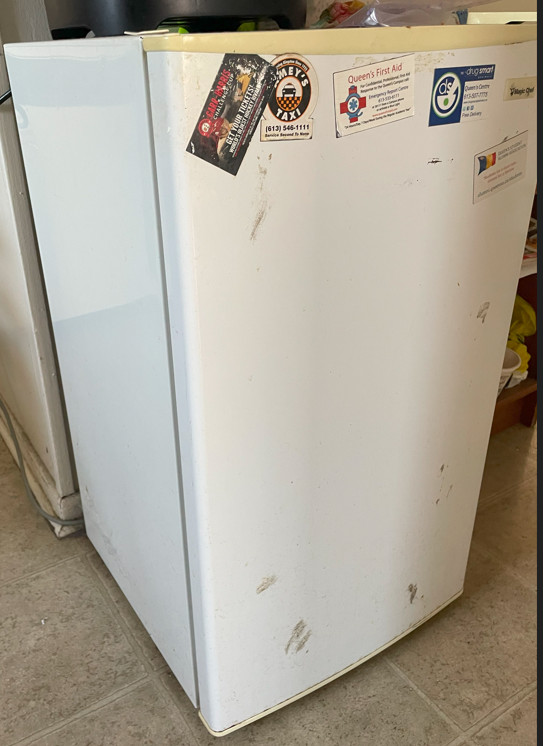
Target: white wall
[[28, 377]]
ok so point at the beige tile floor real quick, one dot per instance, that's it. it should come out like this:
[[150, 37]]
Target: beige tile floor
[[78, 669]]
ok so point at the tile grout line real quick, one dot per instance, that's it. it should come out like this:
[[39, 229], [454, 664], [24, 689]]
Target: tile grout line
[[520, 696], [458, 741], [152, 674], [149, 675], [480, 724], [172, 700], [127, 632], [501, 494], [94, 707], [168, 697], [28, 575], [487, 553], [421, 694], [506, 566]]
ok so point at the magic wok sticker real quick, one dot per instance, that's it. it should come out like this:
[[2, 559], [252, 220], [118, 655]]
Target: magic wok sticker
[[233, 109]]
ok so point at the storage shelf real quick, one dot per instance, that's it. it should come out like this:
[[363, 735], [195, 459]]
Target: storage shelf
[[517, 404], [517, 392]]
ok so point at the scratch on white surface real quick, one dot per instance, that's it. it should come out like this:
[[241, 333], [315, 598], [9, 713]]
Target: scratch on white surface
[[266, 583], [262, 208], [303, 642], [261, 212], [299, 637], [482, 312]]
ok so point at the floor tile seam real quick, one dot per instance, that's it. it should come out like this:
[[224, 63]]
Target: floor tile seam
[[489, 502], [458, 741], [165, 668], [506, 566], [492, 502], [80, 714], [112, 606], [170, 695], [513, 701], [502, 493], [425, 697], [43, 569], [523, 482]]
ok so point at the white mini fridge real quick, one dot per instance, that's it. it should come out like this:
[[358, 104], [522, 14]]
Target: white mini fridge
[[281, 268]]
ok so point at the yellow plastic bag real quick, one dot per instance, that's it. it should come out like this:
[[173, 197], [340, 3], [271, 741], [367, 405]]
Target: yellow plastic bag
[[523, 325]]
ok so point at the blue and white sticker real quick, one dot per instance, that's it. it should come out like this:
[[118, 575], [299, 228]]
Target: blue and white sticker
[[460, 94]]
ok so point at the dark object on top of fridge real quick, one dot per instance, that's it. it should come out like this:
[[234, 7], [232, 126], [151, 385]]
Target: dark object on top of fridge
[[77, 18]]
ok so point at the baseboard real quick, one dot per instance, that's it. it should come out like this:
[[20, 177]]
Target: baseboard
[[66, 507]]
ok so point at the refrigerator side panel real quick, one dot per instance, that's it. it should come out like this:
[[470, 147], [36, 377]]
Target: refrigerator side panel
[[339, 311], [83, 117]]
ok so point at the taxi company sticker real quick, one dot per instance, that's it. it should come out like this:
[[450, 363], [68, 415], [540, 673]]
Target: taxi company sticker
[[287, 116], [500, 167], [460, 94], [519, 88], [232, 111], [366, 97]]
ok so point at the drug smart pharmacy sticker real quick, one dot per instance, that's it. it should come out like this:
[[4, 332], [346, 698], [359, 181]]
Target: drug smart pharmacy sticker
[[289, 110], [380, 93], [460, 94]]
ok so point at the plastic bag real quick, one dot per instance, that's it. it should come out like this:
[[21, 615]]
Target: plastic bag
[[409, 13], [523, 325], [335, 13]]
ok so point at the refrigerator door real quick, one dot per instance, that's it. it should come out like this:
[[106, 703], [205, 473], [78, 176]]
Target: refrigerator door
[[82, 109], [338, 315]]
